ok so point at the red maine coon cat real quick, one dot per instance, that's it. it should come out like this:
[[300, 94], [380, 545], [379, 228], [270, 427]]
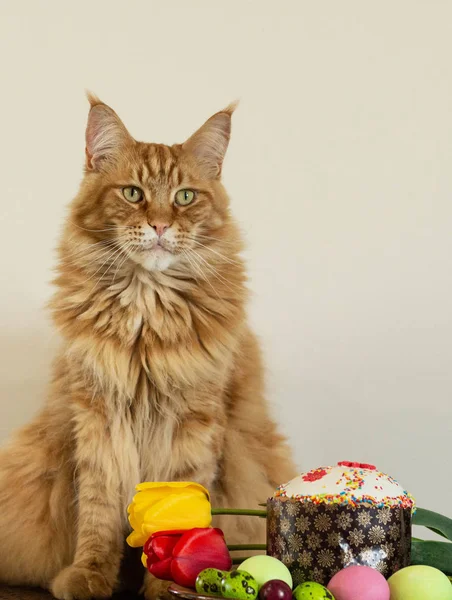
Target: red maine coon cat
[[159, 377]]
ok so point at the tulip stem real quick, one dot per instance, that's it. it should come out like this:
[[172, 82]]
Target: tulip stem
[[240, 511], [235, 547]]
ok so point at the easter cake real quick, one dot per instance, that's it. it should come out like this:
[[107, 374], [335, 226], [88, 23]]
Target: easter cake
[[333, 517]]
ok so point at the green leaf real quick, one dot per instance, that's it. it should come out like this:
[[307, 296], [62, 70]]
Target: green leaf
[[433, 554], [434, 521]]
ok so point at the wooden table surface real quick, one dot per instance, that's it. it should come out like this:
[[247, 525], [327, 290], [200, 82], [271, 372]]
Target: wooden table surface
[[18, 593]]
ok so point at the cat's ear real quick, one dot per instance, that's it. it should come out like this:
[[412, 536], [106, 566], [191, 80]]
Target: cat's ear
[[106, 135], [210, 142]]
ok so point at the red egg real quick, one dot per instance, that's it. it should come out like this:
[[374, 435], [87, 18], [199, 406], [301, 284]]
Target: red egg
[[359, 583], [275, 589]]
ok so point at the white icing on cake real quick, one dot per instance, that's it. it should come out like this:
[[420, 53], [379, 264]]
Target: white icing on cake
[[347, 483]]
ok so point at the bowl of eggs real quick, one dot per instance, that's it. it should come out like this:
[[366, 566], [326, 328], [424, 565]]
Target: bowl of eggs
[[262, 581]]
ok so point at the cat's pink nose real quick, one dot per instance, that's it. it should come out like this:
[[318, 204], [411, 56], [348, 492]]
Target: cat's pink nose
[[160, 228]]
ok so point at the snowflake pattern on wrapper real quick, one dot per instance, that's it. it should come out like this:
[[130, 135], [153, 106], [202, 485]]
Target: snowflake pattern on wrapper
[[348, 558], [344, 521], [314, 552], [322, 522], [325, 558], [318, 574], [314, 541], [273, 528], [295, 542], [280, 544], [285, 526], [311, 508], [376, 534], [288, 559], [334, 538], [364, 518], [367, 555], [291, 509], [303, 524], [384, 516], [388, 549], [305, 559], [381, 566], [356, 537], [298, 574], [394, 532]]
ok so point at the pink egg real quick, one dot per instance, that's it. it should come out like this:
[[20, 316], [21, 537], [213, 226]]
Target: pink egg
[[359, 583]]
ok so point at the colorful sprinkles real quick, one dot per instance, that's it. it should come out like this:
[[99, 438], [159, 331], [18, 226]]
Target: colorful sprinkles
[[352, 480], [315, 474]]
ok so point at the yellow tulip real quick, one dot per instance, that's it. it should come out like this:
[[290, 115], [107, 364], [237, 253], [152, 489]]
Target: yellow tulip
[[166, 507]]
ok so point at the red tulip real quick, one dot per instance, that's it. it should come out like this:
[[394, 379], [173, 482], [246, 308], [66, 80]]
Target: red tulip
[[159, 552], [180, 556]]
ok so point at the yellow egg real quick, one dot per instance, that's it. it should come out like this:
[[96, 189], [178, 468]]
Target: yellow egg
[[420, 583]]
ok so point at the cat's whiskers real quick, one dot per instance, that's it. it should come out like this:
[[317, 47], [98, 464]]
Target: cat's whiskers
[[83, 248], [114, 228], [208, 270], [80, 266], [215, 272], [222, 256], [94, 254], [193, 265], [111, 255], [127, 255], [214, 239], [114, 257], [196, 267], [89, 253]]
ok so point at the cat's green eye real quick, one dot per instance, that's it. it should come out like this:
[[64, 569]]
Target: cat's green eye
[[184, 197], [132, 193]]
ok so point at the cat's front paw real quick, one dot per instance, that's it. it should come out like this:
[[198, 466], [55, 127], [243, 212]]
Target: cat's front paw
[[80, 583], [155, 589]]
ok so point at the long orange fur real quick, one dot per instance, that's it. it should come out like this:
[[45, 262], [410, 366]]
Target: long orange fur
[[158, 376]]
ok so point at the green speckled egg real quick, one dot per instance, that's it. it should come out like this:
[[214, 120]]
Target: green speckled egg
[[209, 582], [240, 585], [312, 591]]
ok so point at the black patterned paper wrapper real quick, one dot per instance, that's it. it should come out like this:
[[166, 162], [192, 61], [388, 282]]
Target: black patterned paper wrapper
[[315, 541]]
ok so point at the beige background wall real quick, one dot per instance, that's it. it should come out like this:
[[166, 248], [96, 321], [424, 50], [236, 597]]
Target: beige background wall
[[340, 171]]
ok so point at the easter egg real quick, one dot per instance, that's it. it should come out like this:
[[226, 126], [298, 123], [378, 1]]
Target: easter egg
[[420, 582], [209, 582], [240, 585], [312, 591], [359, 583], [275, 589], [264, 568]]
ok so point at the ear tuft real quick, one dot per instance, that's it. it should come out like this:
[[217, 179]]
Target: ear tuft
[[209, 144], [106, 135], [92, 98], [231, 108]]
